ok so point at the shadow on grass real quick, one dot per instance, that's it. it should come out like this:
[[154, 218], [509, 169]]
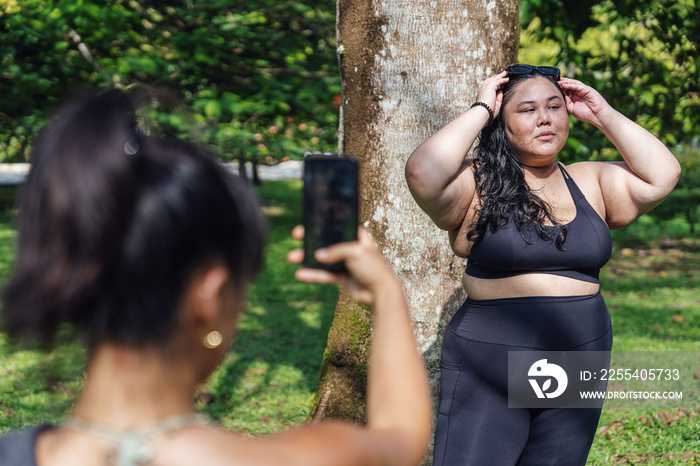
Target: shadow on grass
[[38, 387]]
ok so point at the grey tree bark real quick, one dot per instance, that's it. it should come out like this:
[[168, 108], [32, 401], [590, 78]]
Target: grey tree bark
[[408, 67]]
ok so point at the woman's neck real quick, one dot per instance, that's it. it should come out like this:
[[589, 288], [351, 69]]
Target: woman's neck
[[540, 172], [127, 388]]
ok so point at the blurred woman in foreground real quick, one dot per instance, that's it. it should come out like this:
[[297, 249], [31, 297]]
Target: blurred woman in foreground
[[146, 247]]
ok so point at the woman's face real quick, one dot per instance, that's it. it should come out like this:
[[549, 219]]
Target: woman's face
[[536, 122]]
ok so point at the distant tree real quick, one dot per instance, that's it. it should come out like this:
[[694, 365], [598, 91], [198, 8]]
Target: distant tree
[[408, 68], [261, 76]]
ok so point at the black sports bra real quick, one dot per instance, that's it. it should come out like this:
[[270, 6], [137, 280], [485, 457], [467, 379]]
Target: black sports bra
[[587, 248]]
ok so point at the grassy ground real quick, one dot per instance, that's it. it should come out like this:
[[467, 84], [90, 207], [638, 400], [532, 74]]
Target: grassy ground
[[265, 382], [651, 288]]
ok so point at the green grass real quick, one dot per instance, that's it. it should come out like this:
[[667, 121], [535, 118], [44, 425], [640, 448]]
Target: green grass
[[264, 383], [651, 287]]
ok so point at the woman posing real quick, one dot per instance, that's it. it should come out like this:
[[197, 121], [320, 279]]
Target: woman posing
[[536, 235], [146, 247]]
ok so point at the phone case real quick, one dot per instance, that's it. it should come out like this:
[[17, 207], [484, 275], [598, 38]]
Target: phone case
[[330, 204]]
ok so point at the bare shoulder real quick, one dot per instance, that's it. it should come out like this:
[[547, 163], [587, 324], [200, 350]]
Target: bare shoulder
[[586, 175], [608, 187], [585, 171], [600, 172], [330, 444], [594, 175]]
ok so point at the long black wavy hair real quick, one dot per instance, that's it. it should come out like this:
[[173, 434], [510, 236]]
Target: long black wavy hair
[[501, 187], [112, 223]]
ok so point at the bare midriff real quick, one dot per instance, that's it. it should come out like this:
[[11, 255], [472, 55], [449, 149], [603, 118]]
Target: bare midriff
[[531, 284]]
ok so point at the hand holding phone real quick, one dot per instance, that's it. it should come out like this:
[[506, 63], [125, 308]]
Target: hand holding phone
[[367, 276], [330, 205]]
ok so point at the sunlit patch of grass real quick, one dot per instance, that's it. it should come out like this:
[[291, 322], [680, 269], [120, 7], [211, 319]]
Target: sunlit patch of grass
[[651, 287], [651, 437], [273, 211]]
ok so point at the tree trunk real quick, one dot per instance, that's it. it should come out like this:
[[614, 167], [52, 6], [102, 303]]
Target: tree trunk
[[408, 67], [256, 177], [242, 172]]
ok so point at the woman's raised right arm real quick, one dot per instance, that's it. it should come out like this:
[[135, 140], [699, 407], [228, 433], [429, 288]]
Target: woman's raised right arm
[[399, 408], [438, 173]]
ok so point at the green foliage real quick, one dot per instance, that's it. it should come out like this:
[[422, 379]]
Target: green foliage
[[260, 75], [564, 17], [642, 56]]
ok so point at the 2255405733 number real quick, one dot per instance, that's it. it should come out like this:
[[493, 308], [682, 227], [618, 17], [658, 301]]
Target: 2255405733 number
[[639, 374]]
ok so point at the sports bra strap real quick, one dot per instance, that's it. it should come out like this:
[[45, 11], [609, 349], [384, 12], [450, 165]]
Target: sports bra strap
[[573, 187]]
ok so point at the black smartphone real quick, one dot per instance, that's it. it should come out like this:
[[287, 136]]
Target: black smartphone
[[330, 200]]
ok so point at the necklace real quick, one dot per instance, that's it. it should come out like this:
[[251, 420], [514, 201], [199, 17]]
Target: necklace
[[131, 447]]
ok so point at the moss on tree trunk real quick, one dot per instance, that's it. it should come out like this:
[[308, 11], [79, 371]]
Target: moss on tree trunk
[[341, 389]]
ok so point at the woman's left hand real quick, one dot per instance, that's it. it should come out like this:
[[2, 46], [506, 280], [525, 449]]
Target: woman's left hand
[[582, 101], [649, 171]]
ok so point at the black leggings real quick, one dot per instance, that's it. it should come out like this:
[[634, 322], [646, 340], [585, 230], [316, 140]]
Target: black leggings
[[475, 425]]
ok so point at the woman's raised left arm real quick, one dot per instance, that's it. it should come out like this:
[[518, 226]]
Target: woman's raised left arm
[[649, 171]]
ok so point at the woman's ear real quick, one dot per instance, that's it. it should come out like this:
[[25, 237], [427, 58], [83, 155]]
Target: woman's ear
[[210, 308], [205, 294]]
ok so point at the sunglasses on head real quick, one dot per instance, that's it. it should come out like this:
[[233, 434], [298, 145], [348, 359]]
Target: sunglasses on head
[[520, 69]]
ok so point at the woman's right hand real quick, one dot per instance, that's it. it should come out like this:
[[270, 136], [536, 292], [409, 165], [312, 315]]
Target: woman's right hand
[[490, 92], [367, 272]]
